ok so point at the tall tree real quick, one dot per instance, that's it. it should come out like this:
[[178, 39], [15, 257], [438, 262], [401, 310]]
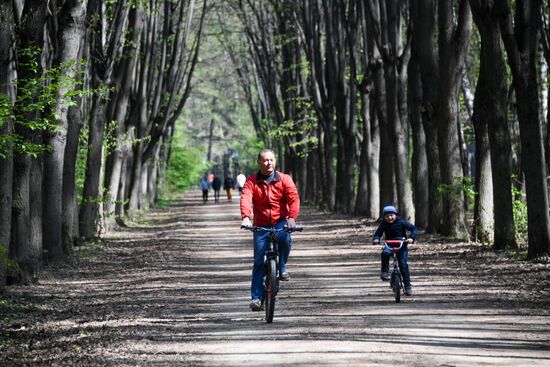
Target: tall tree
[[387, 19], [423, 13], [6, 132], [341, 23], [491, 105], [368, 188], [70, 19], [420, 160], [118, 107], [521, 34], [454, 35], [26, 241], [102, 58], [313, 26]]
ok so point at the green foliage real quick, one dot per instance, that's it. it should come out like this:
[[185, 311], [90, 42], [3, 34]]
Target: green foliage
[[519, 205], [301, 131], [87, 249], [187, 164], [3, 256], [462, 185], [38, 93], [7, 307]]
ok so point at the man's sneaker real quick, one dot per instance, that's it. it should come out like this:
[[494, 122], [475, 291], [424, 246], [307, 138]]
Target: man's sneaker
[[285, 276], [256, 305], [408, 291], [385, 275]]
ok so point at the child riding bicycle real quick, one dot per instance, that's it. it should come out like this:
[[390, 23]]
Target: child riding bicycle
[[394, 227]]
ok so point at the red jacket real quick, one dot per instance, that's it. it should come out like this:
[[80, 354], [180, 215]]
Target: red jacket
[[271, 202]]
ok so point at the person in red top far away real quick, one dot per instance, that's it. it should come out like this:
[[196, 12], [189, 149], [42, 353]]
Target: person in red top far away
[[270, 198]]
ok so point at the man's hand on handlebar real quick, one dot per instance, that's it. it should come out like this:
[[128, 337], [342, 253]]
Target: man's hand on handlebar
[[291, 223], [246, 222]]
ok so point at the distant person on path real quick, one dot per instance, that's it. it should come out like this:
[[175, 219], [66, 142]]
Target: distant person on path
[[241, 179], [394, 227], [205, 186], [271, 198], [216, 186], [228, 187]]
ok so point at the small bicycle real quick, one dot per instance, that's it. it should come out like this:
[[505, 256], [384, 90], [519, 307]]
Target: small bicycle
[[271, 266], [396, 279]]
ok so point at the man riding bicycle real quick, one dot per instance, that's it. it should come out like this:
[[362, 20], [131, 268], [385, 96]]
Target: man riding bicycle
[[273, 199]]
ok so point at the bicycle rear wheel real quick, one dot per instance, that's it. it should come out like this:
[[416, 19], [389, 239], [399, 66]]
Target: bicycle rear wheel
[[396, 285], [270, 290]]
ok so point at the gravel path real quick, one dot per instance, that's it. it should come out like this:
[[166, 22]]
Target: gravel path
[[173, 290]]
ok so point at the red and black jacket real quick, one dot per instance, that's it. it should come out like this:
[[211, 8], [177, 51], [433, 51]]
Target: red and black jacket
[[271, 200]]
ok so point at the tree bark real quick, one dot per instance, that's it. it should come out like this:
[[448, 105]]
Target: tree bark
[[26, 241], [71, 23], [425, 51], [99, 65], [483, 230], [387, 32], [494, 105], [6, 130], [119, 105], [420, 161], [69, 231], [521, 36], [453, 44], [323, 101]]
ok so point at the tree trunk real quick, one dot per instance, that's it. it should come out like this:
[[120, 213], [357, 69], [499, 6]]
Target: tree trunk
[[424, 50], [483, 230], [420, 162], [387, 192], [89, 208], [120, 106], [26, 241], [494, 100], [363, 200], [452, 49], [71, 19], [521, 42], [6, 129], [70, 206]]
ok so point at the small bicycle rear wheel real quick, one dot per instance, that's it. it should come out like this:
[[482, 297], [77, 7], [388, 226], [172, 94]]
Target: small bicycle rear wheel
[[270, 290], [396, 285]]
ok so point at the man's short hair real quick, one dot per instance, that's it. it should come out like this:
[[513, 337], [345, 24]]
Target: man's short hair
[[265, 150]]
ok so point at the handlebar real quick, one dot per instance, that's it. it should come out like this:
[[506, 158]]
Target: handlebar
[[394, 245], [272, 229]]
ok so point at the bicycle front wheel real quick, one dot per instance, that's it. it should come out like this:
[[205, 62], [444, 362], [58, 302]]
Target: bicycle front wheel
[[270, 290], [396, 285]]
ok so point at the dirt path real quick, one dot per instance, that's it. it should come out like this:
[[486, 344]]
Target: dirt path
[[175, 292]]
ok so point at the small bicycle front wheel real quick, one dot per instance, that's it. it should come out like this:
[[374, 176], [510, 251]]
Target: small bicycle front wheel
[[270, 290], [396, 285]]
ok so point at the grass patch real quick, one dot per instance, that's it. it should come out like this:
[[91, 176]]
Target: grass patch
[[87, 248], [9, 308]]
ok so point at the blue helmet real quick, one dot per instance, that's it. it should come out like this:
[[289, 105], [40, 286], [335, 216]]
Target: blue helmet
[[389, 209]]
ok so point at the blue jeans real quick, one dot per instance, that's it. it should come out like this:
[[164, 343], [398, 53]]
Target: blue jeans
[[261, 242], [402, 257]]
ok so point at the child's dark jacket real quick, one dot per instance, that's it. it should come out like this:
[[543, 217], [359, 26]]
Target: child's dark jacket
[[396, 230]]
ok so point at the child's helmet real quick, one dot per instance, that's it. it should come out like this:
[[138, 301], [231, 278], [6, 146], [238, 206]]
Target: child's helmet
[[389, 209]]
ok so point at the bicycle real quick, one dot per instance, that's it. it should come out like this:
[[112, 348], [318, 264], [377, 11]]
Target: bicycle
[[396, 279], [271, 266]]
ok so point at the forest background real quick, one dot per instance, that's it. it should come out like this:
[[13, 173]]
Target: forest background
[[107, 107]]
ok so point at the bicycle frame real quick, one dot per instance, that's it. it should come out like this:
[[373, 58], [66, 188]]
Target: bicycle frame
[[271, 266], [396, 280]]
